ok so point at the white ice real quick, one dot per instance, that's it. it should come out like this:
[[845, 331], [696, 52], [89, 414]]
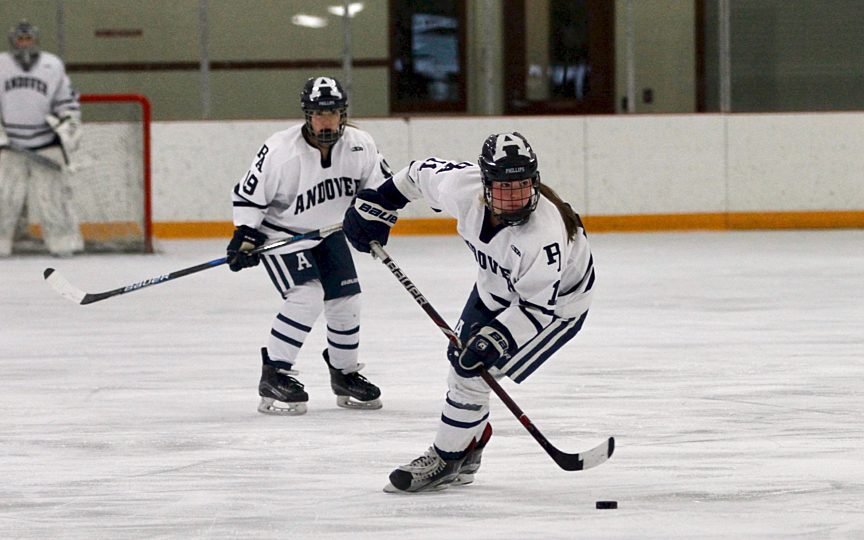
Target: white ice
[[729, 367]]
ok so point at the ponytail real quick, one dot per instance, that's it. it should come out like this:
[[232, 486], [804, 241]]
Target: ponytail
[[571, 219]]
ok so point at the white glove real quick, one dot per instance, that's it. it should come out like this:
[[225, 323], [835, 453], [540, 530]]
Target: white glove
[[68, 128]]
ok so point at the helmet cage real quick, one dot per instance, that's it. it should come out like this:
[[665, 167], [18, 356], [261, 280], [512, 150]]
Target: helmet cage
[[324, 94], [519, 215], [327, 136], [26, 56], [507, 157]]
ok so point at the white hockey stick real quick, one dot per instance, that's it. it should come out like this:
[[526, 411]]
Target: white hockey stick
[[73, 293]]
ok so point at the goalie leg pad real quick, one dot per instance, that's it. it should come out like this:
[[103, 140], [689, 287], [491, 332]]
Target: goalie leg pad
[[13, 193], [52, 197]]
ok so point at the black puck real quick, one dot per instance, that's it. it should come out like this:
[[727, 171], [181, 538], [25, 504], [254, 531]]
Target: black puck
[[606, 505]]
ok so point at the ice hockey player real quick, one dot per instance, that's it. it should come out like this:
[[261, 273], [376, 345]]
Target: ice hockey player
[[303, 179], [41, 117], [532, 292]]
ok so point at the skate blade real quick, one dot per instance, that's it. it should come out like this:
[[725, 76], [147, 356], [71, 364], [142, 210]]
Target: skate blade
[[464, 479], [347, 402], [280, 408], [390, 488]]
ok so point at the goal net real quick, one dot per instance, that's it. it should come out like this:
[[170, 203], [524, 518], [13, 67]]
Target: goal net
[[110, 177]]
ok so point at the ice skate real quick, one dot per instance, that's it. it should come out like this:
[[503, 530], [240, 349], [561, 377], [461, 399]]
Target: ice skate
[[353, 391], [281, 394], [472, 460], [429, 472]]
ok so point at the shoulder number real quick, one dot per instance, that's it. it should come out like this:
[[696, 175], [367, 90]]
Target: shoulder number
[[442, 166], [251, 181]]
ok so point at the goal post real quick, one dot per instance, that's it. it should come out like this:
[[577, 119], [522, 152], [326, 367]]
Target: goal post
[[111, 178]]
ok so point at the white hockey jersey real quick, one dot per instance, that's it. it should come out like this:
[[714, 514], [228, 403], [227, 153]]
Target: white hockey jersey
[[532, 272], [289, 189], [27, 97]]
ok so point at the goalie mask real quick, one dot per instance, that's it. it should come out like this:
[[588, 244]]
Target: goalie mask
[[324, 94], [511, 181], [24, 39]]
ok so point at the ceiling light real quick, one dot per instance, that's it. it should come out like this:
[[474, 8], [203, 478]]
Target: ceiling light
[[353, 9], [309, 21]]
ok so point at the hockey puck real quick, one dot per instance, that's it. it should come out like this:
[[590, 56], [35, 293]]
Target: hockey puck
[[606, 505]]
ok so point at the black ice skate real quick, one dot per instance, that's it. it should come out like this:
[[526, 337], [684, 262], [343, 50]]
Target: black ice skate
[[280, 393], [472, 459], [353, 391], [429, 472]]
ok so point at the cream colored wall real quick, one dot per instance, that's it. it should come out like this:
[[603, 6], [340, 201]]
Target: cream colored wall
[[603, 165]]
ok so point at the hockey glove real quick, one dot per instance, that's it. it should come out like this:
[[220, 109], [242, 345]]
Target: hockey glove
[[244, 239], [68, 129], [482, 351], [369, 220]]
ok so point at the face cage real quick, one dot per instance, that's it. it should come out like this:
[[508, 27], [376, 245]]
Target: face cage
[[26, 57], [512, 218], [326, 137]]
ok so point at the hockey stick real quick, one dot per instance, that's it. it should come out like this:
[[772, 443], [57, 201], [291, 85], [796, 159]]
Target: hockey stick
[[67, 290], [569, 462], [36, 157]]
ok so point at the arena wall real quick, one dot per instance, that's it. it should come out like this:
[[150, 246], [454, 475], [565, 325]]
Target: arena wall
[[621, 173]]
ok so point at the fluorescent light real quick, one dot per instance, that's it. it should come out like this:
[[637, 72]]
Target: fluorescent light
[[353, 9], [309, 21]]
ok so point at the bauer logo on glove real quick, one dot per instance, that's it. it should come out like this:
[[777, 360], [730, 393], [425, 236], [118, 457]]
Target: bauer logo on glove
[[377, 212]]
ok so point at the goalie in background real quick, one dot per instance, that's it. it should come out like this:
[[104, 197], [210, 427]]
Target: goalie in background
[[39, 133]]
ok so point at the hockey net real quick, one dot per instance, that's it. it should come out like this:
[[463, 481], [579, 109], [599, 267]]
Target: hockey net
[[110, 175]]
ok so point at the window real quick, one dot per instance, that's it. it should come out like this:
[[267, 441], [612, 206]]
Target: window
[[560, 57], [427, 73]]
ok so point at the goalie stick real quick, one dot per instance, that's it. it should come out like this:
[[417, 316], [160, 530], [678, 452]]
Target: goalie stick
[[73, 293], [34, 156], [569, 462]]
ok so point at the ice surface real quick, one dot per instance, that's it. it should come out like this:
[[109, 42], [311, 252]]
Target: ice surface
[[729, 367]]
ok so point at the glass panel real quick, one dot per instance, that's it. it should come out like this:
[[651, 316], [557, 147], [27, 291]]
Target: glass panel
[[788, 55], [556, 50], [427, 66]]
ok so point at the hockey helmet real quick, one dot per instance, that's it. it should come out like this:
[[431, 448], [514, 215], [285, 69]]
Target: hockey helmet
[[509, 161], [24, 39], [324, 94]]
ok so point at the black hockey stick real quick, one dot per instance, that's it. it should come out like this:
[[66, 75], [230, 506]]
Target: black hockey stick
[[67, 290], [569, 462]]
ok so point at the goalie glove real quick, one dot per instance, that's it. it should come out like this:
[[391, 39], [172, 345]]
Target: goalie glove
[[483, 350], [369, 220], [68, 128], [245, 239]]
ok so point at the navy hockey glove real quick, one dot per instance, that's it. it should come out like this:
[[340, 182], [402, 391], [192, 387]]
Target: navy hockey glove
[[482, 351], [369, 220], [244, 239]]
